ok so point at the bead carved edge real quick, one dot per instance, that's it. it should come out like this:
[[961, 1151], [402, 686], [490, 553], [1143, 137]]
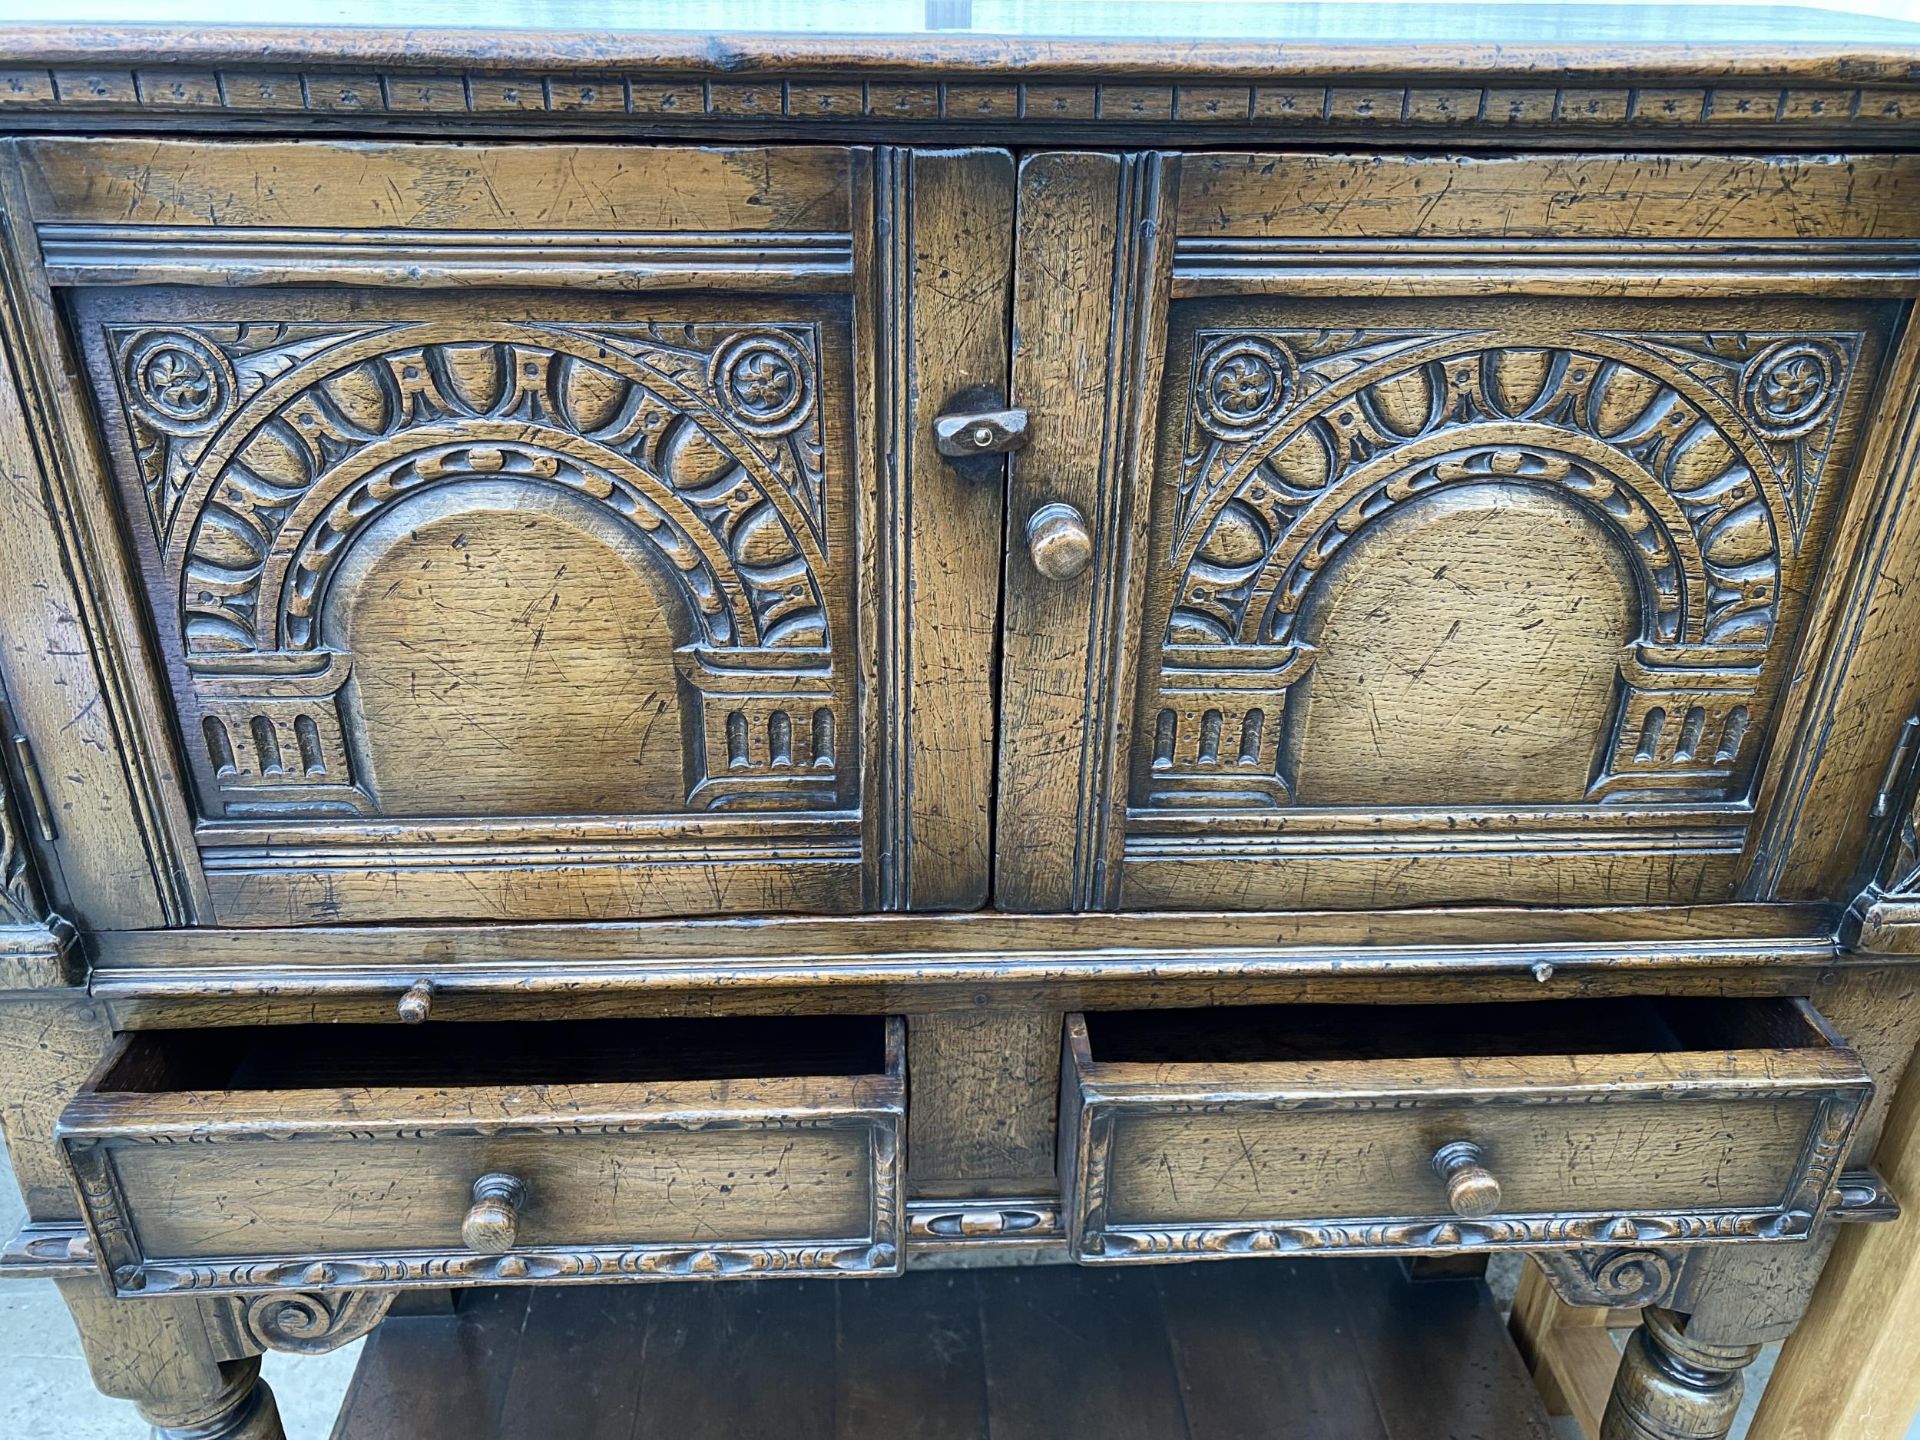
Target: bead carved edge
[[1290, 105]]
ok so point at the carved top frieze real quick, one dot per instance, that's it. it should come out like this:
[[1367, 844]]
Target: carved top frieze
[[985, 85]]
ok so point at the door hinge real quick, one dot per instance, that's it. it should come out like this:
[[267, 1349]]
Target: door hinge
[[36, 790], [1896, 768]]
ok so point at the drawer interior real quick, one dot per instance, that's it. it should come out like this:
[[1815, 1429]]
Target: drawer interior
[[614, 1051], [1630, 1025]]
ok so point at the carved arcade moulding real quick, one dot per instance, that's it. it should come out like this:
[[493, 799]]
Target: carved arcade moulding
[[1701, 456], [270, 452]]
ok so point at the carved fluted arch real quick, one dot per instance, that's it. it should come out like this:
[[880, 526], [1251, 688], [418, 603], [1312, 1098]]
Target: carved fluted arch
[[1288, 423], [1733, 426], [296, 575], [1645, 521], [209, 485], [1342, 422]]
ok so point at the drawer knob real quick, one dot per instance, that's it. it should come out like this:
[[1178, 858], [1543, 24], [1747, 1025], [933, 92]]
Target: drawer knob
[[417, 1004], [1472, 1189], [493, 1223], [1058, 541]]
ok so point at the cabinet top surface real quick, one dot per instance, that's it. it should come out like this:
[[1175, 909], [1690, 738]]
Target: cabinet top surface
[[1048, 36], [965, 26]]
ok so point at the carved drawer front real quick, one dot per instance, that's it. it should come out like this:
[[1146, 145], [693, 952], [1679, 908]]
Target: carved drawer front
[[1457, 531], [486, 1153], [497, 514], [1217, 1133]]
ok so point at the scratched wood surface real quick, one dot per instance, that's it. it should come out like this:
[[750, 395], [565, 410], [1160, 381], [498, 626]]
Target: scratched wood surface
[[768, 1142], [1309, 1349], [1191, 1132], [479, 556]]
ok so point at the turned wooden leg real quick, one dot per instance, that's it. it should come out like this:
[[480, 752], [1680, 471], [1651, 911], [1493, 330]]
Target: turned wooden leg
[[177, 1369], [242, 1410], [1673, 1388]]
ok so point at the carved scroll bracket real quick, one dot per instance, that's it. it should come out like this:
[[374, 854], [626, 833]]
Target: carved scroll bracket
[[308, 1322], [1617, 1278]]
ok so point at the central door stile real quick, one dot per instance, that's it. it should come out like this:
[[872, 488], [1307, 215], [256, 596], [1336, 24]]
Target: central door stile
[[1092, 279]]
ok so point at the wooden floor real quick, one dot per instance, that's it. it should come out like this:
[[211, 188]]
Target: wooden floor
[[1253, 1350]]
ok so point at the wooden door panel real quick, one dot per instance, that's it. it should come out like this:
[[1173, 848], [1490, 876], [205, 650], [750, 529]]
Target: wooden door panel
[[1458, 575], [555, 574]]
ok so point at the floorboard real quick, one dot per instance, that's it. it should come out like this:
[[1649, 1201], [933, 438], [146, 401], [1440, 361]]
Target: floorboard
[[1440, 1363]]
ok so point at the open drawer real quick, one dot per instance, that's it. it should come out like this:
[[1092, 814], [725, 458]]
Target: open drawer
[[305, 1156], [1446, 1127]]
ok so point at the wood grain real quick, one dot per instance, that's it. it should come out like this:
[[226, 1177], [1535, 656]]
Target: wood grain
[[1066, 662], [988, 1098], [540, 188], [1852, 1367], [936, 266], [1328, 1351], [1518, 197]]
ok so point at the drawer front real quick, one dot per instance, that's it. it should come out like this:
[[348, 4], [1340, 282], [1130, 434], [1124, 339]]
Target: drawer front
[[1168, 1160], [506, 523], [1464, 525], [681, 1180]]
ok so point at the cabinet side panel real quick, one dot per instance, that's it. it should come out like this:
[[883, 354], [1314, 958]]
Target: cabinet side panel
[[1858, 678], [71, 673]]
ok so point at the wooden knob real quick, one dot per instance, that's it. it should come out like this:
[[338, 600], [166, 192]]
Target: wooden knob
[[493, 1223], [1058, 541], [417, 1004], [1472, 1189]]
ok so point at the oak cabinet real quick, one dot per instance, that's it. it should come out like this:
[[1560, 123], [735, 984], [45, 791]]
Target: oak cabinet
[[1331, 662]]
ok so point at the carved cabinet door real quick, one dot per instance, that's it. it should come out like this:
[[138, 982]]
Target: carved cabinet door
[[1409, 529], [530, 531]]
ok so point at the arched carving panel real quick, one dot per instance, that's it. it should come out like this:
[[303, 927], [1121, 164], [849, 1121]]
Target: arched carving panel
[[1423, 626], [513, 651], [1699, 455], [267, 452]]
